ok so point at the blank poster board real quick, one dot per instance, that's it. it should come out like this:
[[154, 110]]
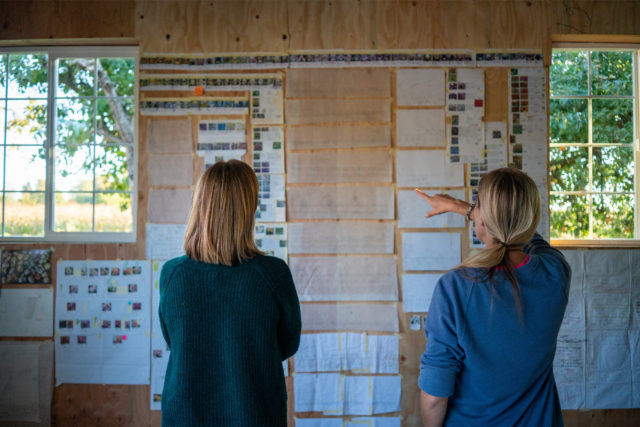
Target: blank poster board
[[339, 166], [376, 317], [345, 83], [355, 237], [169, 206], [171, 170], [26, 312], [310, 111], [340, 202], [345, 278], [423, 87], [26, 381], [420, 128], [169, 136], [338, 136], [427, 168]]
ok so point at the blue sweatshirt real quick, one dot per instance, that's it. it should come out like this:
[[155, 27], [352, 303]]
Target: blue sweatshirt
[[494, 369], [229, 329]]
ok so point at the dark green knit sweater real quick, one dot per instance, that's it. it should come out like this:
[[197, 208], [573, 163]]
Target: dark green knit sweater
[[228, 329]]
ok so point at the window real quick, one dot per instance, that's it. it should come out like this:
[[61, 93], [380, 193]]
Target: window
[[68, 153], [593, 134]]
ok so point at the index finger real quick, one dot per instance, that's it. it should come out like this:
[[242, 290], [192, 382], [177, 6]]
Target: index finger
[[422, 194]]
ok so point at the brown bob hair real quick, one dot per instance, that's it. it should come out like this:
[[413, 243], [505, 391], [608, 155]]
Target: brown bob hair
[[220, 228]]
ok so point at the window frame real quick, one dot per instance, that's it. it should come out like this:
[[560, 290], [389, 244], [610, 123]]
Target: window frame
[[63, 52], [588, 46]]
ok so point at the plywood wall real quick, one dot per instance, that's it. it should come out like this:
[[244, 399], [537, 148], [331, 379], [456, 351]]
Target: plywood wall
[[276, 26]]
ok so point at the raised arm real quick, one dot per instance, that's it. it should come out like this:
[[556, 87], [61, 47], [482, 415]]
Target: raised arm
[[443, 203]]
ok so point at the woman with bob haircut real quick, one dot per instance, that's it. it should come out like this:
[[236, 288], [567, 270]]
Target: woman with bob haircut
[[229, 314], [493, 322]]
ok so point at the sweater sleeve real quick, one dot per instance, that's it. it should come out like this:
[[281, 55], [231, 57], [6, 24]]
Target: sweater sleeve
[[442, 359], [164, 283], [290, 324]]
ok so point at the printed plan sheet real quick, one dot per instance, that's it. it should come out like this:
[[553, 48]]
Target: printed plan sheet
[[103, 322], [597, 361], [159, 348], [528, 143]]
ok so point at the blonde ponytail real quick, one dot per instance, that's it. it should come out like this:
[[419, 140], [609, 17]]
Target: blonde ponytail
[[509, 203]]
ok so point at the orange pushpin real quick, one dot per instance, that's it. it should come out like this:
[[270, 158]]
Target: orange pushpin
[[198, 90]]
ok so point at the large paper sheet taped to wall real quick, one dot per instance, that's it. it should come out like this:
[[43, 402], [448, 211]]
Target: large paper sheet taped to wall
[[164, 241], [420, 87], [379, 317], [26, 381], [26, 312], [171, 170], [348, 351], [420, 128], [413, 208], [355, 237], [345, 278], [427, 168], [340, 166], [430, 251], [417, 290], [339, 83], [169, 206], [169, 136], [341, 136], [341, 202], [311, 111], [335, 394]]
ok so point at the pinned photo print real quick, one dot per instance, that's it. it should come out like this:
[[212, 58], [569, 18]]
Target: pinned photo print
[[93, 289], [127, 271], [115, 271], [157, 353], [93, 271], [84, 324], [118, 324], [82, 339], [137, 269], [117, 339], [68, 271], [106, 324], [133, 287], [71, 306], [65, 340], [106, 306], [104, 271], [137, 306], [73, 289]]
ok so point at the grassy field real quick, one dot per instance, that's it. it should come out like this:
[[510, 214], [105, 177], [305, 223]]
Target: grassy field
[[28, 220]]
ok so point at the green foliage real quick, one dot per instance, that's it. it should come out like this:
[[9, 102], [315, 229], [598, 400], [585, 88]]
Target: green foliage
[[613, 168], [82, 120]]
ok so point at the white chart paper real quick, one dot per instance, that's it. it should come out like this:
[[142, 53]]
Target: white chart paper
[[159, 349], [271, 198], [420, 128], [430, 251], [164, 241], [412, 210], [268, 149], [420, 87], [347, 351], [427, 168], [417, 290], [26, 312], [345, 278], [343, 237], [103, 324], [272, 239]]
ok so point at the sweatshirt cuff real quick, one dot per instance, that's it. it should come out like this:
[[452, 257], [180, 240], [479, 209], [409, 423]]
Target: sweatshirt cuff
[[438, 382]]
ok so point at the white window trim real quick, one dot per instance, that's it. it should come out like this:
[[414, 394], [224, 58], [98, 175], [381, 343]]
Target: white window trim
[[635, 241], [55, 52]]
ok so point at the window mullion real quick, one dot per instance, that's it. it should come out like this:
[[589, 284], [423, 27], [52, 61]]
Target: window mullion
[[4, 147], [590, 148], [52, 84]]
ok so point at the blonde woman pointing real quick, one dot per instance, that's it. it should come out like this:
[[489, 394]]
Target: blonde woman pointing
[[493, 322]]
